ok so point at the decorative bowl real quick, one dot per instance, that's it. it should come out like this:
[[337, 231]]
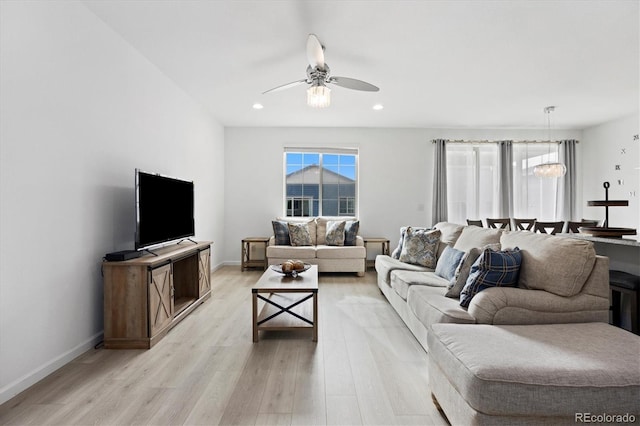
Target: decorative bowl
[[294, 273]]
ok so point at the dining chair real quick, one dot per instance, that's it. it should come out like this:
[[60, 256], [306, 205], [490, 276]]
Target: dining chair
[[549, 227], [575, 226], [524, 224], [499, 223], [474, 222]]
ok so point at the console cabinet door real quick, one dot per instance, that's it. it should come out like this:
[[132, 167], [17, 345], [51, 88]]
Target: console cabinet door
[[160, 298], [204, 272]]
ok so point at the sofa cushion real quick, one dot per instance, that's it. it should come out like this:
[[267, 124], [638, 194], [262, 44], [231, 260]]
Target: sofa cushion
[[420, 247], [474, 236], [449, 234], [402, 280], [321, 226], [386, 264], [340, 252], [351, 229], [492, 269], [555, 264], [532, 370], [299, 234], [334, 235], [448, 263], [430, 306], [281, 232], [291, 252]]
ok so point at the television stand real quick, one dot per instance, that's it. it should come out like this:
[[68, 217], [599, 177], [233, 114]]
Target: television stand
[[146, 297]]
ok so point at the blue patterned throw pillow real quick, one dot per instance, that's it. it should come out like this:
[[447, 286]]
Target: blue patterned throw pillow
[[335, 233], [403, 231], [420, 247], [281, 232], [492, 269], [448, 263], [351, 228]]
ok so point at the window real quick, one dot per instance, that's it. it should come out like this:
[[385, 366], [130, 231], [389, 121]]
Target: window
[[320, 183], [299, 206], [473, 187], [472, 181], [533, 197]]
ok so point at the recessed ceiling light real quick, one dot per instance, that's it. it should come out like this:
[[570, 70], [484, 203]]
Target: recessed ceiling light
[[258, 106], [378, 107]]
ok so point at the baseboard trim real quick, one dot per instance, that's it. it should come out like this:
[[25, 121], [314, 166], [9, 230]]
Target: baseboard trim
[[12, 389]]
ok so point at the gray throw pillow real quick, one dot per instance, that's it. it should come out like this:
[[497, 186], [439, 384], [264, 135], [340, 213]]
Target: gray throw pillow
[[335, 233], [281, 233], [420, 247], [448, 263], [299, 234], [351, 232]]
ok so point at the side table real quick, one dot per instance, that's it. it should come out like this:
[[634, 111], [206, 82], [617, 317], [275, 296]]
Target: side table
[[384, 243], [246, 261]]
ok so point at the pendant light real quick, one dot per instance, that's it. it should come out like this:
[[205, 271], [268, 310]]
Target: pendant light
[[549, 169]]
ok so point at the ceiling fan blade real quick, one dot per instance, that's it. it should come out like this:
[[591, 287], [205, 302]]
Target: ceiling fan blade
[[285, 86], [352, 83], [315, 52]]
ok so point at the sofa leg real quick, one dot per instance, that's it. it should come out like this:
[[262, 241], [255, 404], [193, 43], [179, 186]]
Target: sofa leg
[[360, 274]]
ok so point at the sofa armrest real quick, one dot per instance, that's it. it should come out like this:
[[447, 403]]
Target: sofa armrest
[[272, 241], [508, 305], [359, 240]]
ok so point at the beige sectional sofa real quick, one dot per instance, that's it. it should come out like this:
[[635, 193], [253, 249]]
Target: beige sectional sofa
[[561, 280], [350, 258]]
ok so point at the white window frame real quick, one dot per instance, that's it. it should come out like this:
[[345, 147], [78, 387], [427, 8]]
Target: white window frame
[[321, 152], [306, 206]]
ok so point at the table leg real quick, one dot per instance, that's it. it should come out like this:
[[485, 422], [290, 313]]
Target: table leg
[[254, 296], [315, 316], [243, 257]]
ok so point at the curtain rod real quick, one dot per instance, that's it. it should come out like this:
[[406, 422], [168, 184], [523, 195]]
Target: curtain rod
[[496, 141]]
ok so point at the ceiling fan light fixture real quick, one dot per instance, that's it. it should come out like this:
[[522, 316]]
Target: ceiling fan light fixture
[[318, 96]]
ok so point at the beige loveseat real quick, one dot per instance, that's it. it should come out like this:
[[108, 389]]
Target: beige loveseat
[[348, 258], [561, 280]]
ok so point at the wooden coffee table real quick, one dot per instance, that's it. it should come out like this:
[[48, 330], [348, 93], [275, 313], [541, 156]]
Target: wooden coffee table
[[290, 303]]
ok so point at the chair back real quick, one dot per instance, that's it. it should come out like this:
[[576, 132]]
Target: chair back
[[499, 223], [575, 226], [474, 222], [549, 227], [524, 224]]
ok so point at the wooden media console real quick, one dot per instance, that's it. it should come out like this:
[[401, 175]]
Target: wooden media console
[[145, 297]]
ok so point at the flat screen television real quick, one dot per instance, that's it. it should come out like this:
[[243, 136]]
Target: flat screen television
[[164, 209]]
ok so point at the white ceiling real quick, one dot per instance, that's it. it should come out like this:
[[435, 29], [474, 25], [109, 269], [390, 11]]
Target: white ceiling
[[447, 64]]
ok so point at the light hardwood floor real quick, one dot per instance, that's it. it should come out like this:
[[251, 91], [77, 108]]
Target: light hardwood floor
[[366, 368]]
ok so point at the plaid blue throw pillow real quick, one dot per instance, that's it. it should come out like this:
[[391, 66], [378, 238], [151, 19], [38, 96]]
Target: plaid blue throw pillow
[[492, 269], [281, 232]]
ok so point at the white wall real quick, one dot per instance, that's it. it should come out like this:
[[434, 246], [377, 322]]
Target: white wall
[[80, 109], [603, 150], [395, 176]]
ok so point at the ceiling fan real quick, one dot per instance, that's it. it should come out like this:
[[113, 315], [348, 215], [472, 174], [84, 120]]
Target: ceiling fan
[[319, 75]]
